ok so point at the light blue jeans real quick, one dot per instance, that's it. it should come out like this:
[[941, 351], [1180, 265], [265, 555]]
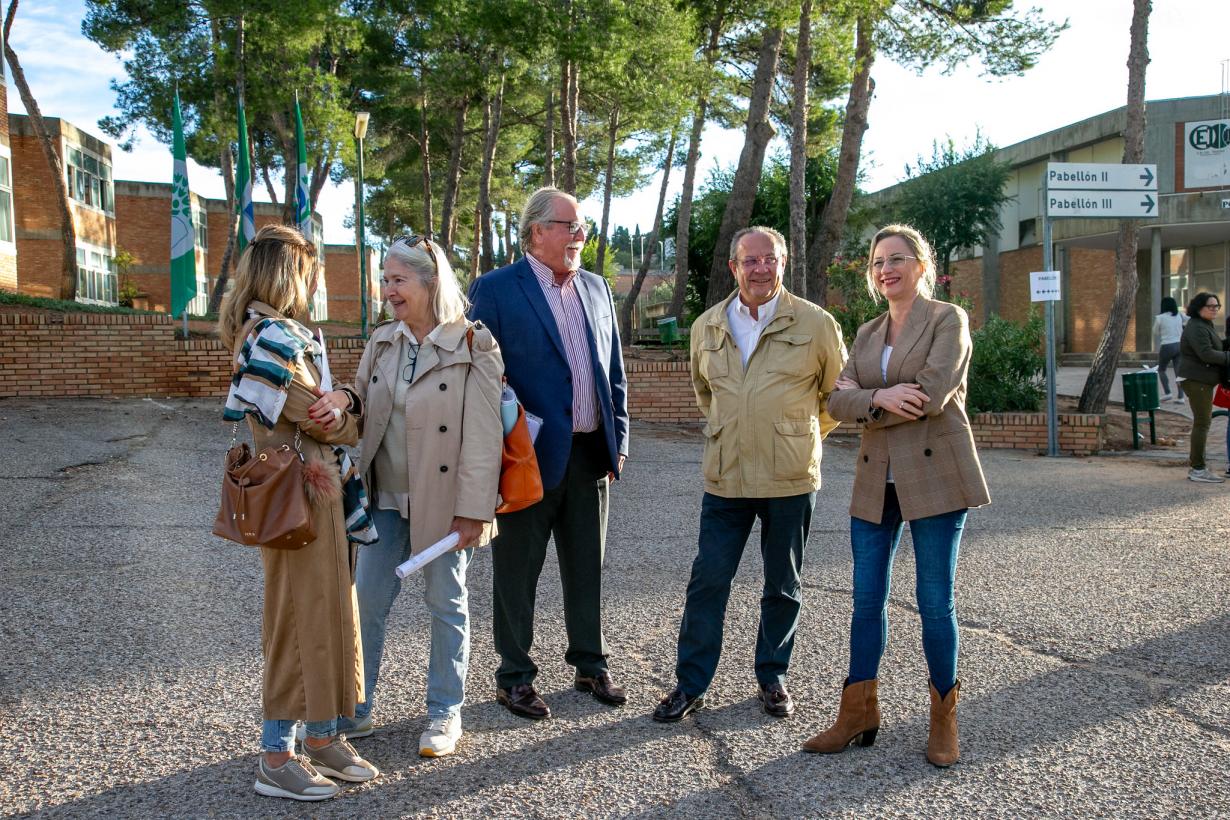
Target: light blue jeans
[[279, 735], [377, 587]]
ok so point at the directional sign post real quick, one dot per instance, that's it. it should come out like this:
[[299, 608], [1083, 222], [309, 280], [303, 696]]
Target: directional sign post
[[1089, 190]]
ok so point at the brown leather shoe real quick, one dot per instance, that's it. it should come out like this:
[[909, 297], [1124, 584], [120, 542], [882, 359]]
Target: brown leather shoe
[[603, 688], [943, 747], [776, 700], [858, 719], [523, 701]]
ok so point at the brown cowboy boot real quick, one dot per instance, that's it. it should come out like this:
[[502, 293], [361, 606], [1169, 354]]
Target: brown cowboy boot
[[943, 750], [858, 718]]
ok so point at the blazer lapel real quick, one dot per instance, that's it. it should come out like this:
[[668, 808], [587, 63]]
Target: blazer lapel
[[873, 351], [533, 294], [920, 317]]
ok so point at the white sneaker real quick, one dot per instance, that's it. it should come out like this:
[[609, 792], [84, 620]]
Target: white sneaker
[[1204, 477], [1167, 396], [441, 736]]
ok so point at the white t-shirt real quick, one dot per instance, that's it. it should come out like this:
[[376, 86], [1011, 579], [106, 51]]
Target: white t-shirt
[[1168, 327]]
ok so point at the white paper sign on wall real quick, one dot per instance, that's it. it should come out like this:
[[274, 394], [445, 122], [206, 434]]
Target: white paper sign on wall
[[1044, 286]]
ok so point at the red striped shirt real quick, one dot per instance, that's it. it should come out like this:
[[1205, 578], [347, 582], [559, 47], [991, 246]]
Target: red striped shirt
[[565, 304]]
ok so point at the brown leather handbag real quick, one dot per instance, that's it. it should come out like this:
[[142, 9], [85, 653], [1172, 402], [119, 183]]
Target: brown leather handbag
[[520, 481], [263, 500]]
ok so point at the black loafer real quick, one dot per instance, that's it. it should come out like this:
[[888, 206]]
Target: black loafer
[[776, 700], [602, 687], [676, 706], [523, 701]]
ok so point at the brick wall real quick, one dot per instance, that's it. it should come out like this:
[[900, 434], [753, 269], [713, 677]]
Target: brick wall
[[8, 253], [88, 354], [1091, 289], [342, 280]]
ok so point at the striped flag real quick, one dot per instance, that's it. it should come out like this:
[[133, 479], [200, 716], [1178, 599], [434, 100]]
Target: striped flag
[[303, 197], [183, 233], [243, 186]]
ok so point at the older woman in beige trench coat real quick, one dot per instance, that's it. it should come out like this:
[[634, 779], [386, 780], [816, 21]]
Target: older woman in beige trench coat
[[309, 636], [429, 386]]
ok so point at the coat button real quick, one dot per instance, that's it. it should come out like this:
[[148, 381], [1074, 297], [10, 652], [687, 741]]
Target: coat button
[[375, 379], [444, 387], [444, 468], [443, 428], [864, 458], [568, 378], [927, 452]]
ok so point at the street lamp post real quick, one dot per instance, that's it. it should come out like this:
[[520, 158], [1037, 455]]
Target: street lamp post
[[360, 131], [631, 253]]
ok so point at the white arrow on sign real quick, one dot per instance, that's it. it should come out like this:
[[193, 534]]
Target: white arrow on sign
[[1100, 176], [1124, 204]]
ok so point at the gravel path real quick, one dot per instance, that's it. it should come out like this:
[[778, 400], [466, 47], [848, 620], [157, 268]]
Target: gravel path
[[1093, 598]]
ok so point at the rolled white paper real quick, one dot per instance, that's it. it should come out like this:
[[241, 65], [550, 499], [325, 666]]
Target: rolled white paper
[[428, 555], [326, 376]]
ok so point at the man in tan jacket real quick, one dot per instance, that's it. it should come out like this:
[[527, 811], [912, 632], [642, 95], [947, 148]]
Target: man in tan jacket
[[763, 364]]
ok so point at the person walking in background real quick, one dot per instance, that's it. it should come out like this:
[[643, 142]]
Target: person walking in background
[[310, 624], [556, 326], [906, 383], [763, 363], [1203, 361], [1167, 331], [429, 391]]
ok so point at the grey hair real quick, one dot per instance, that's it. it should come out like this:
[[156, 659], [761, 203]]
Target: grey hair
[[919, 247], [539, 209], [448, 303], [779, 241]]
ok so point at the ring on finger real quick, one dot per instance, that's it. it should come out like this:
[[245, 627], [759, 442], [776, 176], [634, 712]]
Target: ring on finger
[[337, 414]]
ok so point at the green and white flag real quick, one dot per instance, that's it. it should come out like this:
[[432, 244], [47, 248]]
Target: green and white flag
[[183, 233], [303, 197], [243, 186]]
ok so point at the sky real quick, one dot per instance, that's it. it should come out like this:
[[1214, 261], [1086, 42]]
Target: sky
[[1084, 75]]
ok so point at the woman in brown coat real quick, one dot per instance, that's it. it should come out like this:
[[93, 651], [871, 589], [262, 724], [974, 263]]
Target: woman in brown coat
[[905, 382], [429, 388], [310, 630]]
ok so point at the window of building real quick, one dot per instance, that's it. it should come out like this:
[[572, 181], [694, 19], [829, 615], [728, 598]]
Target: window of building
[[200, 222], [89, 180], [320, 303], [6, 196], [199, 305], [1195, 270], [1027, 233], [97, 280]]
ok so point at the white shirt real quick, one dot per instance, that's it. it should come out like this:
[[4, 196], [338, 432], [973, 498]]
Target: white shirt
[[884, 357], [1168, 327], [744, 328], [390, 467]]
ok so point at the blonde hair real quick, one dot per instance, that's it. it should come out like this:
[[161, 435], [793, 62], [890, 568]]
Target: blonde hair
[[539, 209], [278, 268], [431, 266], [919, 248]]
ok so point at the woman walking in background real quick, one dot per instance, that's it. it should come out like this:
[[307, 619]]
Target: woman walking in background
[[1202, 363], [1167, 330], [905, 382]]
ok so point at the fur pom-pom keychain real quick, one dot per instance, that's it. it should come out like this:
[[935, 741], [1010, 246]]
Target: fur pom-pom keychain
[[321, 482]]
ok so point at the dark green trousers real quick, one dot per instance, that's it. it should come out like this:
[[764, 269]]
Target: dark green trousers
[[1201, 397], [575, 514]]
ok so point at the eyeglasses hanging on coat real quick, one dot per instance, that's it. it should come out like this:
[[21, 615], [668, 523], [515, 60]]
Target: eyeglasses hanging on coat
[[412, 360]]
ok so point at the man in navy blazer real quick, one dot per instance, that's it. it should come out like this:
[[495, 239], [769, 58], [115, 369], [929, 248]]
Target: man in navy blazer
[[556, 327]]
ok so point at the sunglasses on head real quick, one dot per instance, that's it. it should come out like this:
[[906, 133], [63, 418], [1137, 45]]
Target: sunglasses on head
[[412, 239]]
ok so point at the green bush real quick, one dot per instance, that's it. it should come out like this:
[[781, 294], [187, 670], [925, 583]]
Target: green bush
[[1006, 371], [8, 297]]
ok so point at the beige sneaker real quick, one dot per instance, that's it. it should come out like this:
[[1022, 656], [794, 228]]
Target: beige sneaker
[[295, 780], [340, 760], [441, 736]]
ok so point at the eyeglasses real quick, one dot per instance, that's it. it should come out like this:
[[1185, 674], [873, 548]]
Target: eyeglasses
[[407, 372], [573, 227], [756, 261], [412, 239], [1213, 305], [894, 261]]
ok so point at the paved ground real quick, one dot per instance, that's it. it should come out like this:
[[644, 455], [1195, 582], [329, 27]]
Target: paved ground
[[1095, 650]]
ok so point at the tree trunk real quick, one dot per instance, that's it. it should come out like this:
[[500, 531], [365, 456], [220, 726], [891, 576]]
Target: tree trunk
[[452, 182], [751, 163], [510, 257], [425, 147], [1102, 372], [629, 306], [798, 156], [475, 245], [68, 231], [568, 118], [491, 133], [612, 134], [683, 213], [833, 221], [273, 193], [548, 162]]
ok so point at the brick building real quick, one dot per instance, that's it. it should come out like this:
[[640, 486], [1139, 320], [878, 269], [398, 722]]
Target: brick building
[[1186, 249], [39, 248], [342, 265], [143, 225], [8, 237]]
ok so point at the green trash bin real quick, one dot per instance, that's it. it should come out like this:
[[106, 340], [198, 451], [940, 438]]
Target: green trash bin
[[1140, 396], [668, 331]]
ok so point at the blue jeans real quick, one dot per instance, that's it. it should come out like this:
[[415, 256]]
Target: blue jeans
[[377, 586], [279, 735], [937, 539], [725, 524]]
